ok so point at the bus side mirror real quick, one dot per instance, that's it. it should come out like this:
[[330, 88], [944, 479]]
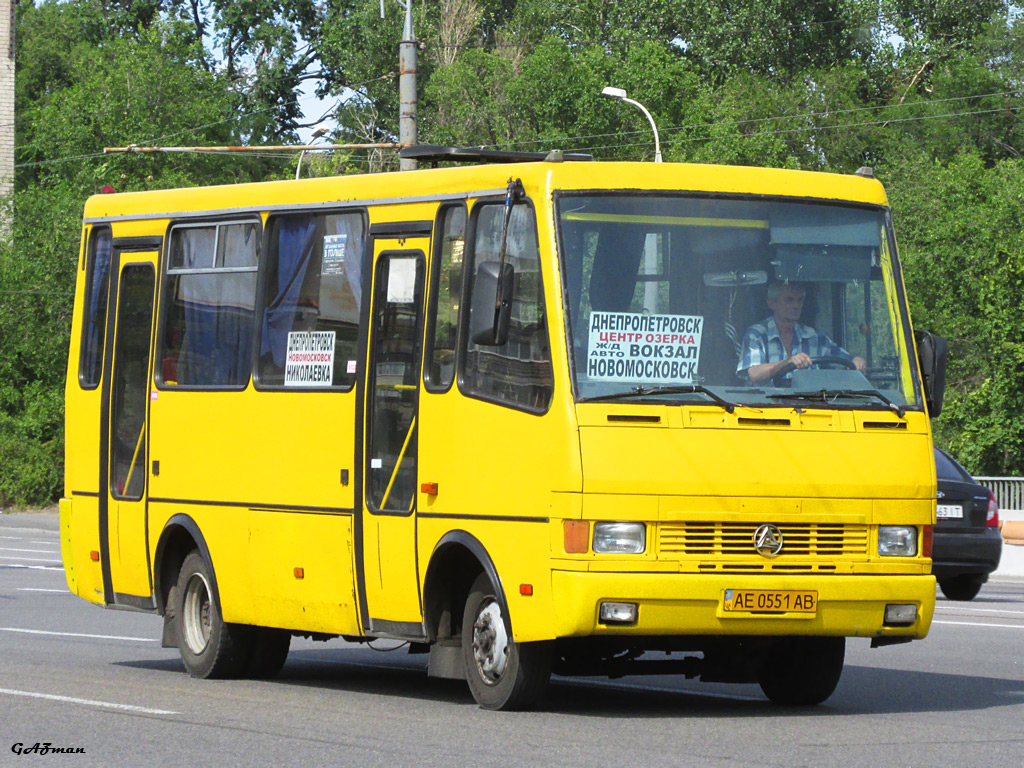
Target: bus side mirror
[[492, 304], [931, 353]]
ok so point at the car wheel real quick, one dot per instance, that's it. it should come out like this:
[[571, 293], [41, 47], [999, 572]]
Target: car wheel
[[502, 674], [961, 587], [802, 671], [209, 646]]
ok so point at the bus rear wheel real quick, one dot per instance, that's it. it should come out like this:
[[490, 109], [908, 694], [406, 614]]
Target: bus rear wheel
[[802, 671], [502, 674], [209, 646]]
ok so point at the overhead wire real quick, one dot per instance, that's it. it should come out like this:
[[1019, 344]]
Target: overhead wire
[[192, 129], [668, 130], [755, 120], [808, 129]]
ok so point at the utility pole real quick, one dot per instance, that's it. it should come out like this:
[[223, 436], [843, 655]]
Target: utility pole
[[6, 100], [407, 87]]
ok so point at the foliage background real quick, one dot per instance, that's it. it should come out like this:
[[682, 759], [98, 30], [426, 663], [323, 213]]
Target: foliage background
[[927, 92]]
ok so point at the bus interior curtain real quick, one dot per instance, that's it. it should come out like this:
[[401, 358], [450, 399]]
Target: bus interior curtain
[[296, 242], [351, 226], [616, 263], [218, 322], [217, 338]]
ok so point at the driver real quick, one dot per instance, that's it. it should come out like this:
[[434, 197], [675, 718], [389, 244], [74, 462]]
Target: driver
[[780, 339]]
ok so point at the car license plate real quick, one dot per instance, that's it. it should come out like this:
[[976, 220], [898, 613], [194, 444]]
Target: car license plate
[[770, 600], [947, 511]]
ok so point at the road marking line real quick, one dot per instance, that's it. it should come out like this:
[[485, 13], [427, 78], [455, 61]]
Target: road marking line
[[89, 702], [37, 551], [40, 589], [30, 559], [33, 567], [979, 624], [981, 610], [76, 634]]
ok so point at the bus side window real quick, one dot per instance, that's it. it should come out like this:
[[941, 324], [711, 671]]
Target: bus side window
[[211, 298], [445, 297], [519, 372], [312, 295], [94, 327]]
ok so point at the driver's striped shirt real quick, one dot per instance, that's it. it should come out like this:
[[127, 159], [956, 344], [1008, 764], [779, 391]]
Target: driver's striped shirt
[[763, 344]]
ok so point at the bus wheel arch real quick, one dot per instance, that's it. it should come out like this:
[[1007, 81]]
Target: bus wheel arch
[[457, 560], [180, 536]]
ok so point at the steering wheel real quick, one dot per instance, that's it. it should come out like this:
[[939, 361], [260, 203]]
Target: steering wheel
[[834, 361]]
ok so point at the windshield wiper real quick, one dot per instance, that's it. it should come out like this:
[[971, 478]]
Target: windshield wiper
[[688, 389], [827, 394]]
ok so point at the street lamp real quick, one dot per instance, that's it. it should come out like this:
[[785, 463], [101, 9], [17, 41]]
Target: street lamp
[[620, 94], [316, 135]]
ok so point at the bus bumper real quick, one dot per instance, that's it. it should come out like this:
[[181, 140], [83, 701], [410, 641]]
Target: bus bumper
[[685, 604]]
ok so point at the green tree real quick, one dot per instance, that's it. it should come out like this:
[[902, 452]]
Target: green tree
[[37, 274], [961, 232]]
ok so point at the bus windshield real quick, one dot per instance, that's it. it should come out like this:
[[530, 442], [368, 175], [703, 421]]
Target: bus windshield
[[729, 301]]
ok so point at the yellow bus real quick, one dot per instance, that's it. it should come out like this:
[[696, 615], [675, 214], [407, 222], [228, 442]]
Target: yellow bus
[[508, 411]]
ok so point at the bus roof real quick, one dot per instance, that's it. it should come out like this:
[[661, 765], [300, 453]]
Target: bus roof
[[481, 180]]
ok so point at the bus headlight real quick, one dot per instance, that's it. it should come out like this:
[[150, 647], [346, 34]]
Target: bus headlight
[[620, 538], [897, 540]]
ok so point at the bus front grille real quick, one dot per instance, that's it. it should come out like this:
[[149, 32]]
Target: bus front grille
[[701, 539]]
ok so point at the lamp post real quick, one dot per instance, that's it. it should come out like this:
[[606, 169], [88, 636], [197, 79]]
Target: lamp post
[[316, 135], [620, 94]]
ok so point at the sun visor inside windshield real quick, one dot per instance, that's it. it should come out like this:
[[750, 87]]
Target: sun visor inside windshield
[[805, 225], [841, 246], [820, 263]]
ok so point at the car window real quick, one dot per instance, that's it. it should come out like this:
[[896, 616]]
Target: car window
[[947, 468]]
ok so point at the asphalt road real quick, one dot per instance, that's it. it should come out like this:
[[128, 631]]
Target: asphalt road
[[76, 676]]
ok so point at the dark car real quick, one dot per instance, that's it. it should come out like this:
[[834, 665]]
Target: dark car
[[967, 543]]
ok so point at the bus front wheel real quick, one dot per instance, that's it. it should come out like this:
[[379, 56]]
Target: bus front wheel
[[210, 647], [502, 674], [802, 671]]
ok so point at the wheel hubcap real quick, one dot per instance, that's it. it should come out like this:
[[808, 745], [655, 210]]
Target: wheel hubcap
[[196, 614], [490, 642]]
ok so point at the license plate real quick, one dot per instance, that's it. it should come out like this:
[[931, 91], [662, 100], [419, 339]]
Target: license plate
[[947, 511], [770, 600]]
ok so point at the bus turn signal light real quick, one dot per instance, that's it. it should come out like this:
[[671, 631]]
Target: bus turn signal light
[[300, 573], [94, 556], [429, 488], [926, 540], [577, 536]]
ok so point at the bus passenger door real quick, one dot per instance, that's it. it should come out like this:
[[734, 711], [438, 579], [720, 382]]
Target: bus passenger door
[[124, 439], [392, 402]]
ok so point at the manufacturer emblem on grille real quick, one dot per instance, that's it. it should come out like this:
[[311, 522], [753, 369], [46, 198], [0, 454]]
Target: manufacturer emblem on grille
[[768, 540], [940, 494]]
